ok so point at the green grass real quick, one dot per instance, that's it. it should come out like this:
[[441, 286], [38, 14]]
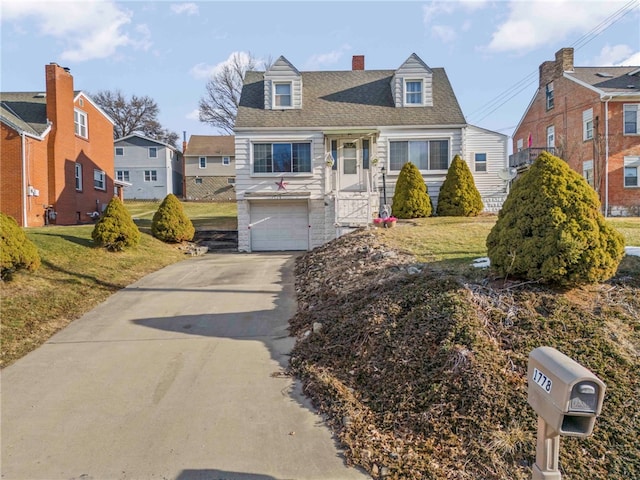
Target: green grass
[[74, 277], [203, 215]]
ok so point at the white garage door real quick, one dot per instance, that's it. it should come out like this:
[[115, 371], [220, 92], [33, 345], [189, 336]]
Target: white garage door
[[280, 225]]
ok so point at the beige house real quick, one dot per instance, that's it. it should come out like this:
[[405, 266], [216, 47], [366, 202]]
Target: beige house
[[210, 168]]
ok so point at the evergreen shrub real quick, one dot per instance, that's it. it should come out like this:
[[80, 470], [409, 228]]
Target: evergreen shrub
[[170, 223], [411, 197], [551, 229], [17, 252], [116, 230], [458, 195]]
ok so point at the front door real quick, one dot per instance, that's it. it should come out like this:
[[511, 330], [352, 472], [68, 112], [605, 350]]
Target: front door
[[349, 164]]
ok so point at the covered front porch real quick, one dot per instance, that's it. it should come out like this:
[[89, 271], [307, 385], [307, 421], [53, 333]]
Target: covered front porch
[[351, 173]]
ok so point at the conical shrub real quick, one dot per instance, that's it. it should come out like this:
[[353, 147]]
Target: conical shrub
[[17, 252], [411, 198], [551, 229], [458, 195], [170, 224], [116, 230]]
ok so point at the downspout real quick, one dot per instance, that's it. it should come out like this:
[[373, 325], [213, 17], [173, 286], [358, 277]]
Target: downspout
[[606, 157], [24, 179]]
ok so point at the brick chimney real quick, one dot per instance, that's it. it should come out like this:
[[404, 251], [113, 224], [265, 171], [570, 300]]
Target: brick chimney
[[357, 63], [551, 70]]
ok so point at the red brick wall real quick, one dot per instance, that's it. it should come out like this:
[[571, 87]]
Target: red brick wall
[[66, 148], [570, 101], [12, 181]]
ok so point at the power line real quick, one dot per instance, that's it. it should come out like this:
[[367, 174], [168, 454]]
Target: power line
[[578, 44]]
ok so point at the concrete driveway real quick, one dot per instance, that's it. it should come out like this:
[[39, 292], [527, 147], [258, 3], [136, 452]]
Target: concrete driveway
[[174, 377]]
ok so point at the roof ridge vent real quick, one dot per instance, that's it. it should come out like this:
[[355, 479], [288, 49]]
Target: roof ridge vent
[[604, 75]]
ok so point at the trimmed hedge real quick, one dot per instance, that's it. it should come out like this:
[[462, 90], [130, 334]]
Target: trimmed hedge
[[411, 197], [170, 223], [115, 229], [458, 195], [551, 229], [17, 252]]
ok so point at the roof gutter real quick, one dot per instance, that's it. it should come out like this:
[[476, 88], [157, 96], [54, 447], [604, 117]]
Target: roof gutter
[[606, 154]]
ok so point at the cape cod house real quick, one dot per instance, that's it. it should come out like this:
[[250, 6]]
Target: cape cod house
[[57, 154], [319, 153]]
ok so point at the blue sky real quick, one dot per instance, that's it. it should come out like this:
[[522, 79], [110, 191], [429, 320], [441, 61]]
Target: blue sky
[[490, 50]]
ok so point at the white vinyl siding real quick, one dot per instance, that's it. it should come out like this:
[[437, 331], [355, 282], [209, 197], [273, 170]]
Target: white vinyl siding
[[279, 74]]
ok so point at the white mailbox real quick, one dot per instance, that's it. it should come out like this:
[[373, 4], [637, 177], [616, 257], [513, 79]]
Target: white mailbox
[[566, 395]]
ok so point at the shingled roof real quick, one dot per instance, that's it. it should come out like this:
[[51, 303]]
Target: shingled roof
[[211, 145], [609, 79], [24, 111], [344, 99]]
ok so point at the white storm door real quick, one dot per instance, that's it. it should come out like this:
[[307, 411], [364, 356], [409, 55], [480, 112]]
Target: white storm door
[[349, 165]]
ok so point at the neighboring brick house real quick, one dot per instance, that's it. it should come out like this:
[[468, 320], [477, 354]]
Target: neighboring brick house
[[590, 117], [57, 154], [210, 168], [318, 153], [151, 169]]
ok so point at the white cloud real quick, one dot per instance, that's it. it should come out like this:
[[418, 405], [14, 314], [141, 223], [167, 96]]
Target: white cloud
[[87, 30], [193, 115], [632, 61], [319, 60], [537, 23], [203, 70], [611, 55], [435, 9], [445, 33], [188, 8]]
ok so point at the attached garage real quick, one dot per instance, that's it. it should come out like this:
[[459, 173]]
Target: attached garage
[[279, 225]]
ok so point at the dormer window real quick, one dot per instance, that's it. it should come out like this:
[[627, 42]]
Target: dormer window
[[282, 95], [413, 92]]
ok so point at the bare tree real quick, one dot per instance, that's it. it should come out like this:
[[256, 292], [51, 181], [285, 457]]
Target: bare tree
[[219, 106], [137, 114]]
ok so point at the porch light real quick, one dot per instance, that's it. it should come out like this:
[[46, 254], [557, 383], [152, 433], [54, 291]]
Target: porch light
[[328, 159]]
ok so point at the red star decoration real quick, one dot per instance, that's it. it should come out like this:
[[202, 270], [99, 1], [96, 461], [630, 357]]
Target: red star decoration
[[282, 185]]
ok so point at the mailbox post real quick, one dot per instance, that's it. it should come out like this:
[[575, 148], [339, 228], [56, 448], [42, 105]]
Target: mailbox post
[[567, 398]]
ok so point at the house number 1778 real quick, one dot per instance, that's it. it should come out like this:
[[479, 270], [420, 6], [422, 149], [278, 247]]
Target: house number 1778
[[542, 380]]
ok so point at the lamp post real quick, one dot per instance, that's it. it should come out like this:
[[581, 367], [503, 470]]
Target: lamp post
[[384, 185]]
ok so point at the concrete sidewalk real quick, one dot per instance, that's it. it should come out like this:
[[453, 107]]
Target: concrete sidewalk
[[174, 377]]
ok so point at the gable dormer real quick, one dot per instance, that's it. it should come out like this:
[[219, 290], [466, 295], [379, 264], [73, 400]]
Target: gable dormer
[[282, 86], [412, 84]]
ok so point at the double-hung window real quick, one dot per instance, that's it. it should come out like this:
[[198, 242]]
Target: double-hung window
[[587, 171], [424, 154], [631, 114], [122, 175], [153, 152], [99, 180], [413, 92], [282, 95], [587, 125], [282, 158], [78, 177], [631, 170], [551, 136], [203, 162], [481, 162], [80, 123], [549, 95], [226, 161], [150, 175]]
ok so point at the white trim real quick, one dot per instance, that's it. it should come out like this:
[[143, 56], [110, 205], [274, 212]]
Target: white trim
[[78, 125], [405, 92], [274, 96], [94, 104]]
